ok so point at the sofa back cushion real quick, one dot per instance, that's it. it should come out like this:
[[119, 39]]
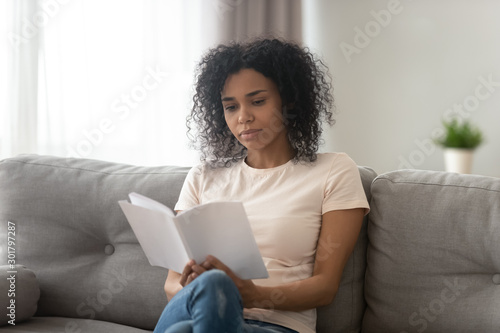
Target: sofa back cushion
[[433, 254], [72, 233]]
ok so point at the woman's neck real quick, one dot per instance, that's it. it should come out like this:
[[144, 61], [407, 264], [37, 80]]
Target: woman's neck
[[260, 160]]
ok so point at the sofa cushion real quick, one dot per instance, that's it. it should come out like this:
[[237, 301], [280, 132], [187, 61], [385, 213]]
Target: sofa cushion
[[345, 313], [72, 233], [19, 292], [433, 254], [69, 325]]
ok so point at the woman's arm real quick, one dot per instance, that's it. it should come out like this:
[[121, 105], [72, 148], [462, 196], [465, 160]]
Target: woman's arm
[[338, 236], [172, 285]]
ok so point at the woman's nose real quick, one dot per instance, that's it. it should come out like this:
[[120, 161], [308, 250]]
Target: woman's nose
[[245, 116]]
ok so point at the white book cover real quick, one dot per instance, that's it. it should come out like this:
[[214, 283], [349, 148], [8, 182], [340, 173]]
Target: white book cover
[[220, 229]]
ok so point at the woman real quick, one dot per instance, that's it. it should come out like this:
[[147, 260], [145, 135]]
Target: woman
[[258, 108]]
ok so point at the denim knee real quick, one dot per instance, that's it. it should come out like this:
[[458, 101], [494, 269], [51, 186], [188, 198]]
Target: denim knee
[[216, 280], [215, 277]]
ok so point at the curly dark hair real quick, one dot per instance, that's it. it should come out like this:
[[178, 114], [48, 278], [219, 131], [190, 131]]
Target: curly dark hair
[[303, 81]]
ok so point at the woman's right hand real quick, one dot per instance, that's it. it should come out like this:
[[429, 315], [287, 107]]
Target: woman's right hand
[[187, 275], [192, 271], [175, 281]]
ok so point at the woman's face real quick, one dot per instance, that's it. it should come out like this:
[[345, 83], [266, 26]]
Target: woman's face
[[253, 111]]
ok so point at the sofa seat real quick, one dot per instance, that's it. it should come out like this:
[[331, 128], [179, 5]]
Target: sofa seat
[[68, 325]]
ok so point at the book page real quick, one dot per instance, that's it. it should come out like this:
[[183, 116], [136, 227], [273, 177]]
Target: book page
[[158, 236], [140, 200], [222, 230]]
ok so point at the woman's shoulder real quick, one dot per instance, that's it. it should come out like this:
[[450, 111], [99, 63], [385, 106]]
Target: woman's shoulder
[[327, 164], [338, 158]]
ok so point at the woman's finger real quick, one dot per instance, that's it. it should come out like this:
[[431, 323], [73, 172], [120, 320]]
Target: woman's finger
[[216, 263], [247, 288], [191, 278], [186, 273], [207, 265], [198, 269]]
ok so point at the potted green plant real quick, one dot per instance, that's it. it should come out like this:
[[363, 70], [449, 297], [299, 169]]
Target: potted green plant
[[459, 141]]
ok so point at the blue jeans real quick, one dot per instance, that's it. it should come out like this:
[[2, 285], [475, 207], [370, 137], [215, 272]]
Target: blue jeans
[[211, 303]]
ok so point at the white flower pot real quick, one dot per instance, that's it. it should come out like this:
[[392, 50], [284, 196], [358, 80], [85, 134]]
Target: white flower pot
[[458, 160]]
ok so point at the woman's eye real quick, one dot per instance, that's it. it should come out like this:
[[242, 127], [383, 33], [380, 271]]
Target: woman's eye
[[229, 108], [259, 102]]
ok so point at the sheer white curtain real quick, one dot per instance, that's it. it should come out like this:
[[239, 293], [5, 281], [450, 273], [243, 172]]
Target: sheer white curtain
[[18, 83], [113, 79], [109, 79], [4, 47], [116, 80]]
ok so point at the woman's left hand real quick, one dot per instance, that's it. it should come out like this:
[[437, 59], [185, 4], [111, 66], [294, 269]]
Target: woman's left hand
[[248, 290]]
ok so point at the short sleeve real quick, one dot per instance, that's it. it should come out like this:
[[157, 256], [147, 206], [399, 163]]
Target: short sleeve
[[343, 188], [190, 191]]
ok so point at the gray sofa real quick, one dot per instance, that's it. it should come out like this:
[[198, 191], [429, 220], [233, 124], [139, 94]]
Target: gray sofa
[[427, 258]]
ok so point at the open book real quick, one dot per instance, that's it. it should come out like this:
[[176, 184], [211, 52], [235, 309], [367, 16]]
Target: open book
[[220, 229]]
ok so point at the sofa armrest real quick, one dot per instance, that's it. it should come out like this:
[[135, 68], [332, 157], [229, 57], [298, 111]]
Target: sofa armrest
[[19, 294]]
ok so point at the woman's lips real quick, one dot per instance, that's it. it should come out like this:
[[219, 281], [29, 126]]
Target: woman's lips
[[250, 134]]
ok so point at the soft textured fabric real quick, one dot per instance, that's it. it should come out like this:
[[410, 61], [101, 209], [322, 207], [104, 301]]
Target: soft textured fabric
[[69, 325], [71, 232], [19, 293], [211, 303], [68, 223], [433, 255], [284, 206]]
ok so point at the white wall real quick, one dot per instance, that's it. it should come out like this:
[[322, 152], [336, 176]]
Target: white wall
[[392, 94]]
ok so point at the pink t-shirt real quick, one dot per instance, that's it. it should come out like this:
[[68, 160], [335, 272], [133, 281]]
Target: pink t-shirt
[[285, 205]]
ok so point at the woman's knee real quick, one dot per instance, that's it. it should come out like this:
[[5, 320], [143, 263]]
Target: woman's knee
[[218, 280], [215, 277]]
